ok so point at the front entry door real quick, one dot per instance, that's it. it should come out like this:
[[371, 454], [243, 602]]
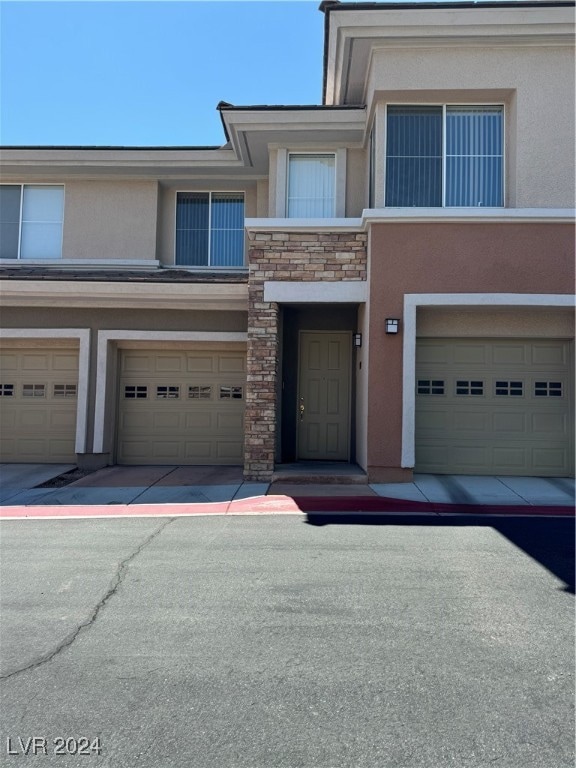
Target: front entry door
[[323, 408]]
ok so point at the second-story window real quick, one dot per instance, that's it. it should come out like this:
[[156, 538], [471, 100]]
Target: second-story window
[[31, 221], [444, 156], [311, 186], [210, 229]]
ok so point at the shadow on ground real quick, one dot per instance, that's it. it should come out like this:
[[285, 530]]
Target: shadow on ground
[[549, 541]]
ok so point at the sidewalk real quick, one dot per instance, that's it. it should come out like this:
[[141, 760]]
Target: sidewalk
[[114, 491]]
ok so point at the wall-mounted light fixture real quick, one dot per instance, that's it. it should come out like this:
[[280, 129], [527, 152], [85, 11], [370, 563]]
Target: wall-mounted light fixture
[[392, 324], [357, 339]]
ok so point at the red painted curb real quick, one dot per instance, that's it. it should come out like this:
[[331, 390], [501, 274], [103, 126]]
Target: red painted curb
[[274, 505], [384, 504]]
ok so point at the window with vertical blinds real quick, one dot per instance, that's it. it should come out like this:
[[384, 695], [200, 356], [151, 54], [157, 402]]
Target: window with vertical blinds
[[311, 186], [444, 156], [210, 229]]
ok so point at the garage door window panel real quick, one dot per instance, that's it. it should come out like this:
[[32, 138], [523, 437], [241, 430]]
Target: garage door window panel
[[167, 392], [33, 390], [509, 388], [65, 390], [430, 387], [135, 392], [199, 392], [465, 387], [231, 393], [6, 390], [547, 389]]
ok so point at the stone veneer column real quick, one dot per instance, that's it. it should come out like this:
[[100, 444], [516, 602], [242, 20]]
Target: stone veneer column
[[262, 370]]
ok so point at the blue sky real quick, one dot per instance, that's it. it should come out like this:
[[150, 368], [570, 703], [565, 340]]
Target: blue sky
[[150, 73]]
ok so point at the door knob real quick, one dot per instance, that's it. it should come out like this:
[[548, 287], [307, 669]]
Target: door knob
[[301, 409]]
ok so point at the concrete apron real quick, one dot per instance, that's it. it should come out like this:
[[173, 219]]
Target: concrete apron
[[176, 491]]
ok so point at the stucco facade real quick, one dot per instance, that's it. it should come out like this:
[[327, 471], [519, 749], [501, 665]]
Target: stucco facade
[[255, 325]]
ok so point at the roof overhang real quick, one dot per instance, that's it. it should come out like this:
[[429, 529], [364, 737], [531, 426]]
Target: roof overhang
[[253, 131], [354, 31]]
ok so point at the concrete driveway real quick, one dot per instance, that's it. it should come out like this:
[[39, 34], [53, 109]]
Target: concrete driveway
[[268, 643]]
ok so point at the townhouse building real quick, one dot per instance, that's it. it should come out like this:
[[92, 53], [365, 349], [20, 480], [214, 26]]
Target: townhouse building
[[386, 278]]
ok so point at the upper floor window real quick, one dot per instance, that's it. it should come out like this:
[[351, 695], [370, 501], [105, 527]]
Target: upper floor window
[[444, 156], [210, 229], [311, 186], [31, 221]]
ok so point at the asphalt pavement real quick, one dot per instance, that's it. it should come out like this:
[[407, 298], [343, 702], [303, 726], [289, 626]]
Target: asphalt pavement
[[273, 642]]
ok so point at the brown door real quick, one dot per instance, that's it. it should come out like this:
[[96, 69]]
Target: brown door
[[324, 396]]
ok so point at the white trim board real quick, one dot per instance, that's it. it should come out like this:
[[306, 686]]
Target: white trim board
[[83, 337], [104, 339], [411, 303], [316, 291]]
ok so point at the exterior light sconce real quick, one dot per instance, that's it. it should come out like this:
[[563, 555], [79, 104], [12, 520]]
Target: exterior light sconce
[[357, 339], [392, 325]]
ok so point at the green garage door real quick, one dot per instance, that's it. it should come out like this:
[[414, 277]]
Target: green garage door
[[497, 407], [181, 407]]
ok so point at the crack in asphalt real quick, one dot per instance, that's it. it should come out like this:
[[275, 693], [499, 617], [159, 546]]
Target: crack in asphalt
[[117, 580]]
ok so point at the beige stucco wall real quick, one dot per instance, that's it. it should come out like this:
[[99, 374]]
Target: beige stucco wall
[[167, 208], [520, 322], [110, 220], [536, 84], [356, 182]]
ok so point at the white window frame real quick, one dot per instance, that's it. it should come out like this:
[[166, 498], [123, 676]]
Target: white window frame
[[34, 184], [322, 153], [208, 192], [444, 106]]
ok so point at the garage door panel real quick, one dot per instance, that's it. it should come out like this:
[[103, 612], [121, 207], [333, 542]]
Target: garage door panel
[[512, 414], [475, 422], [232, 364], [35, 361], [166, 421], [508, 355], [227, 422], [65, 362], [550, 457], [131, 362], [510, 458], [172, 364], [204, 408], [8, 362], [138, 450], [200, 420], [34, 419], [546, 424], [433, 353], [38, 405], [549, 355], [201, 364], [232, 451], [468, 354], [504, 423], [166, 449]]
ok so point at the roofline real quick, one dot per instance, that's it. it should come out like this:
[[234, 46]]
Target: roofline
[[326, 6], [109, 148], [224, 106]]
